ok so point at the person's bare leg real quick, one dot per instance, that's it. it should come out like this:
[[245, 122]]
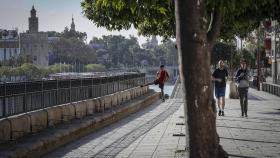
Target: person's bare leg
[[219, 105], [223, 105], [162, 94]]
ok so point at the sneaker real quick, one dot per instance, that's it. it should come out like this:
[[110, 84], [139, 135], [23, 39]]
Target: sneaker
[[220, 112], [242, 115], [223, 114], [246, 115]]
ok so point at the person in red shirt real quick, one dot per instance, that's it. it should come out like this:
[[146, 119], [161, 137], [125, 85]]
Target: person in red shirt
[[162, 77]]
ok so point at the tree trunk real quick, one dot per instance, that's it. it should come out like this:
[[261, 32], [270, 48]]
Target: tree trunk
[[194, 59]]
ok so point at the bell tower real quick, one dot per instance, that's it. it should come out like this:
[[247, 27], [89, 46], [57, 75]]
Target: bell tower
[[33, 21]]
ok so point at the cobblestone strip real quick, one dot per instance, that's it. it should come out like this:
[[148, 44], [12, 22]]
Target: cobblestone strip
[[113, 149]]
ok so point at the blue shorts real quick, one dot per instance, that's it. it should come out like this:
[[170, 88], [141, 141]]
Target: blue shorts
[[220, 92]]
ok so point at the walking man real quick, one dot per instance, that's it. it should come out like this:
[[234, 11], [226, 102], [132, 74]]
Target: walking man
[[220, 76], [162, 77], [242, 77]]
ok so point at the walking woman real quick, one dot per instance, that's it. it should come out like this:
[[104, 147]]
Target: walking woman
[[242, 77]]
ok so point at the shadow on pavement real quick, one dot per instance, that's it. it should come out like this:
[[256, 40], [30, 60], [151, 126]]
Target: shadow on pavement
[[265, 130], [247, 140], [232, 155]]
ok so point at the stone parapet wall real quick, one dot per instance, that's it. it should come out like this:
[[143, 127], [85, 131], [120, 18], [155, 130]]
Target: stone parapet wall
[[16, 127]]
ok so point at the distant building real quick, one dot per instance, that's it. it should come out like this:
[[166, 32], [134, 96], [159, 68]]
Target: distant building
[[9, 45], [34, 44], [275, 50]]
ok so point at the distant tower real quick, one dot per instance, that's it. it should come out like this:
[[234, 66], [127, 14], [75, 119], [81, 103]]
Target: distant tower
[[33, 21], [72, 25]]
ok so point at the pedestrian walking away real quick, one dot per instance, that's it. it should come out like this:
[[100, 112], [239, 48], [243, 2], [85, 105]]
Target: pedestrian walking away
[[242, 78], [161, 78], [220, 75]]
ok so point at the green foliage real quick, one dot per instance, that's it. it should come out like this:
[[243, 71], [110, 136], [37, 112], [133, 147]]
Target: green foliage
[[148, 17], [222, 51], [72, 51], [244, 54], [54, 34], [56, 68], [30, 70], [126, 52], [227, 52], [249, 56], [156, 17], [95, 68], [74, 34], [4, 71]]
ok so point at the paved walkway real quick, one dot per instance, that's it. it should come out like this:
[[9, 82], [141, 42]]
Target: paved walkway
[[255, 136], [157, 132], [110, 141]]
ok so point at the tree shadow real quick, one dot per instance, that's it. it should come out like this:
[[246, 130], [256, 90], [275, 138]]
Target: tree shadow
[[233, 155], [265, 130], [247, 140]]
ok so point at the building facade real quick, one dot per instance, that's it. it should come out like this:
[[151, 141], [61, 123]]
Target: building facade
[[33, 44], [275, 51], [9, 44]]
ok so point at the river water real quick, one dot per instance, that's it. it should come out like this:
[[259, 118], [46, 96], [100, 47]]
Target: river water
[[167, 89]]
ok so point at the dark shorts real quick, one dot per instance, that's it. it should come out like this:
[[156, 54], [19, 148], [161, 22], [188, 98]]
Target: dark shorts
[[220, 92], [160, 85]]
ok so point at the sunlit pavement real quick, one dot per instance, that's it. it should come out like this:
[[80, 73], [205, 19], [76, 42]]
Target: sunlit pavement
[[157, 131]]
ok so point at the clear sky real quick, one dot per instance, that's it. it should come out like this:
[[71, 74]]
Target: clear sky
[[54, 15]]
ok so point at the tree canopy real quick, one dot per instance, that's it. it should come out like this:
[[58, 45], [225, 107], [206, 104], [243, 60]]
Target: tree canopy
[[157, 17], [122, 51]]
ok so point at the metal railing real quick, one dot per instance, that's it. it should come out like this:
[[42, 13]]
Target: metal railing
[[271, 88], [21, 97]]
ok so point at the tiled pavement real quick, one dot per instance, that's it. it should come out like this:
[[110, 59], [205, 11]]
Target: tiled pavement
[[109, 141], [150, 132], [255, 136]]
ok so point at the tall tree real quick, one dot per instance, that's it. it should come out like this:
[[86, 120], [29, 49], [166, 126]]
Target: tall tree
[[198, 25], [193, 47]]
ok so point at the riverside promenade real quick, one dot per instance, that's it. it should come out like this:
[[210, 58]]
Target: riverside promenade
[[158, 131]]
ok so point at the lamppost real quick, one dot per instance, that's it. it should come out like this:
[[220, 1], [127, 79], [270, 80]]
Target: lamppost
[[259, 37], [276, 29]]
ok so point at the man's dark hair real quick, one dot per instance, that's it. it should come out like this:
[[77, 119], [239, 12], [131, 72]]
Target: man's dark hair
[[161, 66]]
